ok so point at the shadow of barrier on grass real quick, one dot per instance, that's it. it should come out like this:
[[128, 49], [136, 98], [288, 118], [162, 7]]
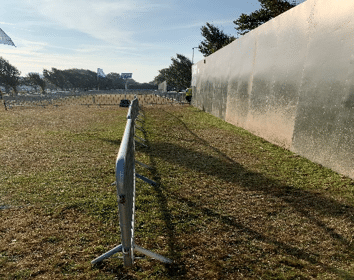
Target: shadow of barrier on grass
[[305, 203], [177, 267]]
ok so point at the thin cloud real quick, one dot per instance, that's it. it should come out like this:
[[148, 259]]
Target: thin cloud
[[200, 24], [6, 23], [104, 20]]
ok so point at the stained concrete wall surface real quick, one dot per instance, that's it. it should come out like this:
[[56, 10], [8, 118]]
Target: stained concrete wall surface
[[290, 81]]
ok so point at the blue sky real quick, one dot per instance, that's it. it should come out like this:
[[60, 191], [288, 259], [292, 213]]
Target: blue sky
[[134, 36]]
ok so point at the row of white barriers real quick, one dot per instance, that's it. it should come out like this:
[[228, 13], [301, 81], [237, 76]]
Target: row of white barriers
[[125, 182]]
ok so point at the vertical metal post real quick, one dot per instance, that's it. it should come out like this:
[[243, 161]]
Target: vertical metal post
[[125, 179]]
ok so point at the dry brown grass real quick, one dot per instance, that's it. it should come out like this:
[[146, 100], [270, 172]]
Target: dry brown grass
[[229, 205], [53, 160], [248, 209]]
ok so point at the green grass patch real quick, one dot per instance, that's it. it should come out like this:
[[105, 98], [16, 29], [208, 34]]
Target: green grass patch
[[228, 205]]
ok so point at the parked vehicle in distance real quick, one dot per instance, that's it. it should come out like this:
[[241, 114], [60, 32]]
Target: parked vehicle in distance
[[124, 103]]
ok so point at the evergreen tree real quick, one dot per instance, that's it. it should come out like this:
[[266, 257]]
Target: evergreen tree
[[270, 9], [35, 80], [178, 75], [9, 75], [214, 40], [180, 72]]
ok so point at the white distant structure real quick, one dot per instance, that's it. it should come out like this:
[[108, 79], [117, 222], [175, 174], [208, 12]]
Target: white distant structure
[[100, 73], [5, 39]]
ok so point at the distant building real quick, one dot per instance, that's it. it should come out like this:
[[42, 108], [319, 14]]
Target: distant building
[[163, 87]]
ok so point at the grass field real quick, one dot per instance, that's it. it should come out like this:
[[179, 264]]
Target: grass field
[[228, 205]]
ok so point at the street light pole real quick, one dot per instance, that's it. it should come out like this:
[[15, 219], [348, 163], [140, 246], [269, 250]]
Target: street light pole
[[193, 54]]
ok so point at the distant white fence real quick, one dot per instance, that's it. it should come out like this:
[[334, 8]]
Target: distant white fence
[[179, 97], [125, 182], [98, 98]]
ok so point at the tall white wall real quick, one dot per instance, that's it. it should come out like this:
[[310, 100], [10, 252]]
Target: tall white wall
[[290, 81]]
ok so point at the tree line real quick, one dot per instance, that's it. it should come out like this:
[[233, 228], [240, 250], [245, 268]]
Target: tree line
[[178, 74], [69, 79], [179, 77]]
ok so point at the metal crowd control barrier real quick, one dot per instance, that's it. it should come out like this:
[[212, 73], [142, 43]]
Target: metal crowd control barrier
[[125, 182]]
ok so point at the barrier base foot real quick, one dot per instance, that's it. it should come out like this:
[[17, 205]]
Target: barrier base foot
[[108, 254], [136, 249]]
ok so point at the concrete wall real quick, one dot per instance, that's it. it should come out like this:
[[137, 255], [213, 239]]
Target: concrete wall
[[290, 81]]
